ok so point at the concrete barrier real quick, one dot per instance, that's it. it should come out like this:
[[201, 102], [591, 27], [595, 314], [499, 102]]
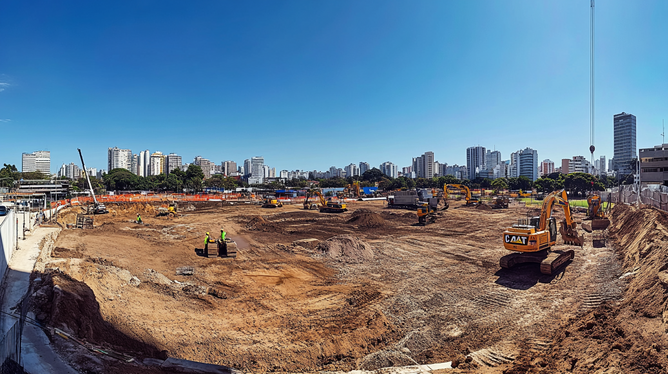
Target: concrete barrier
[[7, 241]]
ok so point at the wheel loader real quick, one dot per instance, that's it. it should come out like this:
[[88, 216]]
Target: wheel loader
[[426, 214], [535, 239], [271, 202]]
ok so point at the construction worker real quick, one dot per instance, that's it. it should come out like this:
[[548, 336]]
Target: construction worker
[[222, 235], [139, 219], [207, 240]]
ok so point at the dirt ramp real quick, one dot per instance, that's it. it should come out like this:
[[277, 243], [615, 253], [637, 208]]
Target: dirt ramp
[[258, 223], [347, 248], [366, 218]]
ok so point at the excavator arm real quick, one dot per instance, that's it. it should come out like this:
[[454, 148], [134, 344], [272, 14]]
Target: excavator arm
[[568, 228]]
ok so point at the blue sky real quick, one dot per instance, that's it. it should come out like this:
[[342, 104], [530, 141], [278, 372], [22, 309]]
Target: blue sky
[[311, 84]]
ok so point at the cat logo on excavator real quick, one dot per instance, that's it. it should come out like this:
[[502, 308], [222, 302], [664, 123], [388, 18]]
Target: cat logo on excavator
[[516, 239]]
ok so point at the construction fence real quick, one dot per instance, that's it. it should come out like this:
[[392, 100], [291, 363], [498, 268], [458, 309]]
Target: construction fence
[[654, 195]]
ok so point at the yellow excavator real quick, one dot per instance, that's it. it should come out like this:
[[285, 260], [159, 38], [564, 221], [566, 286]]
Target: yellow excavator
[[357, 190], [271, 202], [595, 213], [534, 239], [328, 206], [470, 201], [426, 214]]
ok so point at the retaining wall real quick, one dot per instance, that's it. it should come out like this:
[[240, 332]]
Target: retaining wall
[[7, 241]]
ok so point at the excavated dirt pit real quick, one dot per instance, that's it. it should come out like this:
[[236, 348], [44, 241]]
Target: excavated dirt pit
[[310, 291]]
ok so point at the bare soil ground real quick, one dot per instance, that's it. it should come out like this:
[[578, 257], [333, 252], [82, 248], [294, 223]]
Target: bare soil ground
[[374, 290]]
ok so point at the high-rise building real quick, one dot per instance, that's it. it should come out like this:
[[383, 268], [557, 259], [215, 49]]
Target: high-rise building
[[389, 169], [157, 163], [579, 164], [428, 165], [492, 158], [70, 171], [119, 159], [352, 170], [205, 165], [173, 162], [475, 160], [143, 163], [514, 165], [528, 165], [134, 164], [602, 166], [247, 167], [625, 142], [37, 161], [229, 167], [364, 166], [547, 167], [256, 170]]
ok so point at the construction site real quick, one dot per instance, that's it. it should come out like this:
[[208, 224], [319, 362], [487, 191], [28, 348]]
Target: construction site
[[364, 289]]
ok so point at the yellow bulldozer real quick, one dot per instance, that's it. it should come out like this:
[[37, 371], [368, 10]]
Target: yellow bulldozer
[[535, 239]]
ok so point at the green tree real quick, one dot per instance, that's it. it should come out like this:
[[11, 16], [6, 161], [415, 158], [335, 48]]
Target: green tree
[[499, 184], [120, 179], [373, 175]]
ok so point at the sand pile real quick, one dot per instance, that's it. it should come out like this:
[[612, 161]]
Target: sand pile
[[346, 248], [483, 207], [366, 218], [628, 337]]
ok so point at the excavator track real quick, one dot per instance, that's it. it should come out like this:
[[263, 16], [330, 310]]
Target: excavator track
[[549, 261], [554, 260]]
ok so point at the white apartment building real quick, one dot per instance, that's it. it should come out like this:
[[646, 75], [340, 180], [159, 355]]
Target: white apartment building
[[119, 159], [36, 161]]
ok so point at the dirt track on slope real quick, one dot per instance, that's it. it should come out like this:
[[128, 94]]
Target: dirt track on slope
[[411, 293]]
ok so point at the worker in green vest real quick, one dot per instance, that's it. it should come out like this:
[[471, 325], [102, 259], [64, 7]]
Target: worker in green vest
[[139, 219], [222, 235]]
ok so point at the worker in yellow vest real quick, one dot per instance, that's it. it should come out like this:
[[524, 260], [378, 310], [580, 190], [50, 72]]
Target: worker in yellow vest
[[207, 240]]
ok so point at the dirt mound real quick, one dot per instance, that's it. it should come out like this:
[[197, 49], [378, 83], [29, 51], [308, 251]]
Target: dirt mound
[[65, 303], [483, 207], [626, 337], [384, 359], [258, 223], [347, 248], [365, 218], [131, 208]]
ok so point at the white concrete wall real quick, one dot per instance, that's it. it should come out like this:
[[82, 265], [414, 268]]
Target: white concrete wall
[[7, 241]]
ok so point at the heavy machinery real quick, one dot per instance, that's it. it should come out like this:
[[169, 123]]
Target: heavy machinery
[[307, 205], [330, 206], [595, 213], [272, 202], [97, 207], [426, 214], [170, 211], [535, 238], [470, 201], [500, 202], [357, 190]]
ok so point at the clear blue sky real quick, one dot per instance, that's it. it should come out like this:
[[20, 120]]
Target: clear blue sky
[[311, 84]]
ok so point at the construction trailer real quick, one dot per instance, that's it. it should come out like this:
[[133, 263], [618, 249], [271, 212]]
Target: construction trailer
[[412, 200]]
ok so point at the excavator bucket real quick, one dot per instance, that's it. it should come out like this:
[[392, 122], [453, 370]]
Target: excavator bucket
[[600, 223], [570, 234]]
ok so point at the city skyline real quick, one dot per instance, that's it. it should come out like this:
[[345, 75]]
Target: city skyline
[[300, 83]]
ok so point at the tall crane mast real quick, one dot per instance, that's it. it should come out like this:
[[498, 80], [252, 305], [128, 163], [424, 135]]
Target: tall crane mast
[[591, 84], [98, 208]]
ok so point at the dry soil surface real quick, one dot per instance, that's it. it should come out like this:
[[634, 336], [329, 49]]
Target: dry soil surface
[[372, 290]]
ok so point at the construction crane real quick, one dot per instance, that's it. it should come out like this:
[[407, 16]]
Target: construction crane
[[98, 208], [536, 237]]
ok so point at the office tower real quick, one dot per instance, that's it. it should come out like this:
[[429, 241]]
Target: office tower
[[624, 142], [475, 160], [37, 161], [364, 166]]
